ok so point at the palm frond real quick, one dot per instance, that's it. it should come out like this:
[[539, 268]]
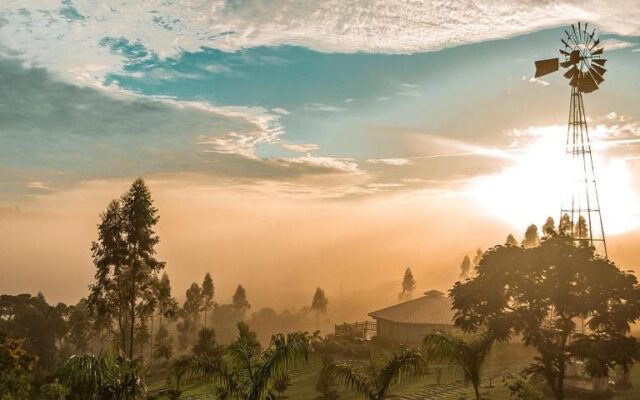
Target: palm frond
[[351, 378], [466, 355], [399, 367], [283, 355]]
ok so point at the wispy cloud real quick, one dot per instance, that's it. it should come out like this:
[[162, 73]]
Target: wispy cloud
[[343, 164], [301, 148], [615, 44], [389, 161], [537, 81], [322, 107]]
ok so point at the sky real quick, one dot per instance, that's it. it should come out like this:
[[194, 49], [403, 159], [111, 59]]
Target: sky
[[295, 144]]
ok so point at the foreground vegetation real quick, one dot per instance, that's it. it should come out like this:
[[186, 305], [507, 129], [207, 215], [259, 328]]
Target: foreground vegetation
[[118, 343]]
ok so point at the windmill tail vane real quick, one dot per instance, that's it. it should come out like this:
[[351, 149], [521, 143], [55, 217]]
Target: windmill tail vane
[[581, 59]]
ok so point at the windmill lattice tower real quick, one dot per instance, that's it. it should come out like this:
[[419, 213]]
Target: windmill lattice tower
[[580, 215]]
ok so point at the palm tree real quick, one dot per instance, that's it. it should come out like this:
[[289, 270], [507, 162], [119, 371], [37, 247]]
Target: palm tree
[[375, 384], [467, 355], [245, 372], [107, 376]]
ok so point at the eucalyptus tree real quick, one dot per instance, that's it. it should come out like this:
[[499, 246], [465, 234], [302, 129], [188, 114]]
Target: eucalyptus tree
[[126, 265], [408, 285], [240, 301], [319, 305], [208, 291], [374, 384]]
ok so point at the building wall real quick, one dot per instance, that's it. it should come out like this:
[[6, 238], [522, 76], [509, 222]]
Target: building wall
[[406, 333]]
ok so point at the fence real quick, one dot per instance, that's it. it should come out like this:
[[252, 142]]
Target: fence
[[365, 330]]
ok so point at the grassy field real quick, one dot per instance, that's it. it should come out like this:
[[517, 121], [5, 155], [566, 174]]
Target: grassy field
[[503, 360]]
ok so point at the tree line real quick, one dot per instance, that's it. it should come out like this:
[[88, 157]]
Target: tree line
[[537, 290]]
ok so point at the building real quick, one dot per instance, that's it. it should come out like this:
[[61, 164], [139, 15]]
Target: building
[[410, 321]]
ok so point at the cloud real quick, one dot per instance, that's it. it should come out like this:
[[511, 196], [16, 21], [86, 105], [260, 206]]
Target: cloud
[[539, 81], [281, 111], [321, 107], [55, 135], [37, 185], [389, 161], [301, 148], [105, 39], [330, 163], [217, 69], [615, 44]]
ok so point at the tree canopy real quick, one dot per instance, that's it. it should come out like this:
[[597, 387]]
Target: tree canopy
[[540, 292]]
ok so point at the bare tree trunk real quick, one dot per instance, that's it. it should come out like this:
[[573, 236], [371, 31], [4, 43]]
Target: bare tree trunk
[[133, 311], [151, 341]]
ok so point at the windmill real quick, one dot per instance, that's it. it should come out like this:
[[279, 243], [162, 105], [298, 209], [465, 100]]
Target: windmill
[[580, 215]]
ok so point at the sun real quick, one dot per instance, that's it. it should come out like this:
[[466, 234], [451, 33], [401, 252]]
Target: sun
[[538, 178]]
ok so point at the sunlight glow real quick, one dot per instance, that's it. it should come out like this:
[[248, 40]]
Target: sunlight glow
[[540, 177]]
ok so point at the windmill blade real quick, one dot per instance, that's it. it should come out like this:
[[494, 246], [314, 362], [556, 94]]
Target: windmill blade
[[574, 33], [596, 76], [574, 80], [598, 69], [599, 51], [579, 31], [586, 34], [597, 42], [566, 53], [599, 61], [565, 43], [544, 67], [571, 38], [586, 83], [571, 73]]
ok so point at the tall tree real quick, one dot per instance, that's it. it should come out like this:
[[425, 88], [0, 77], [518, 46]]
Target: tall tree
[[206, 344], [167, 304], [538, 293], [163, 345], [511, 241], [531, 237], [581, 228], [319, 305], [107, 300], [79, 320], [465, 267], [408, 285], [139, 219], [125, 258], [467, 355], [549, 227], [192, 306], [240, 301], [565, 226], [208, 291], [477, 257]]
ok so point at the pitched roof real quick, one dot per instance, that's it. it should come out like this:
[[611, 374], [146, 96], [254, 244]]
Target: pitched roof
[[432, 308]]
